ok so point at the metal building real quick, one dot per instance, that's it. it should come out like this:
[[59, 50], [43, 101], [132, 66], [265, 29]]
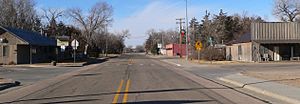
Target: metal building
[[269, 41]]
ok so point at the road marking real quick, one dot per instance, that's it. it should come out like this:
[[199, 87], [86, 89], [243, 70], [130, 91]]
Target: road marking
[[126, 91], [178, 65], [174, 63], [115, 101], [130, 61]]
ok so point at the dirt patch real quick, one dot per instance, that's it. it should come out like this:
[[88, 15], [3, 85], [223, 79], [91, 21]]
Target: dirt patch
[[291, 78]]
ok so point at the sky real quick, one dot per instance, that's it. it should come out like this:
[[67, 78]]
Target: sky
[[138, 16]]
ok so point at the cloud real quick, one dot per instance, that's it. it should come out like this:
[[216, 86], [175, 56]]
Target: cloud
[[156, 15]]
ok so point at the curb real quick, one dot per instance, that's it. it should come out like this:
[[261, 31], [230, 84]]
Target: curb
[[261, 91], [4, 86], [220, 90]]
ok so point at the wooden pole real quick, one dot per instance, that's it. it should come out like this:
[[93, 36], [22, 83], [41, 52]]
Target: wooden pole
[[198, 56]]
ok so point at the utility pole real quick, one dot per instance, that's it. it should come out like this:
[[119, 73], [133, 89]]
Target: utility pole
[[162, 41], [180, 29], [194, 35], [187, 30]]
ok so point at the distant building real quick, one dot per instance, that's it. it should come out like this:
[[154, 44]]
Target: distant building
[[63, 42], [66, 50], [175, 50], [240, 49], [269, 41], [24, 47]]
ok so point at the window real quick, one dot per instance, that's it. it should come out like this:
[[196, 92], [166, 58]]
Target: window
[[5, 50]]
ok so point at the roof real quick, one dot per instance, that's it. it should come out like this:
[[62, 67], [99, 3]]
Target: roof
[[32, 38], [242, 39], [63, 38]]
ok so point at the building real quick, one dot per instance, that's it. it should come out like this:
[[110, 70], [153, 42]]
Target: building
[[268, 41], [175, 49], [24, 47], [66, 50], [63, 42], [240, 49]]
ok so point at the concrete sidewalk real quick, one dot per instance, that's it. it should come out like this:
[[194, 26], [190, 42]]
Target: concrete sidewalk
[[61, 64], [266, 87], [269, 88]]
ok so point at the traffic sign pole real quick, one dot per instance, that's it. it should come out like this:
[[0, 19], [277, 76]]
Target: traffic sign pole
[[75, 53], [198, 56], [198, 46], [74, 44]]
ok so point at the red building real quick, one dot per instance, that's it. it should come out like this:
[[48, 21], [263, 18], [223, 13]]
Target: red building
[[175, 49]]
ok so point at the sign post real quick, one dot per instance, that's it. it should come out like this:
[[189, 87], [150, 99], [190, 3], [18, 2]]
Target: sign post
[[74, 44], [198, 46]]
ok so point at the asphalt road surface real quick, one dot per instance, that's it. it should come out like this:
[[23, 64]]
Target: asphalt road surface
[[130, 78], [30, 75]]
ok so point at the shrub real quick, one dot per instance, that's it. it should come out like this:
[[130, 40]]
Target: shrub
[[11, 63], [216, 54]]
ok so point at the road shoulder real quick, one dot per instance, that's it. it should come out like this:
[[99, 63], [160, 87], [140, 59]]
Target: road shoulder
[[225, 91], [266, 87]]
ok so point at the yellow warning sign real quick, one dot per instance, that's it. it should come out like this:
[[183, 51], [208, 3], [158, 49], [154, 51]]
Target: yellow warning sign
[[198, 46]]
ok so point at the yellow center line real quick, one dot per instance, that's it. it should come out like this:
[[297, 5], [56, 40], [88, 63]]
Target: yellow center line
[[126, 91], [115, 101], [130, 61]]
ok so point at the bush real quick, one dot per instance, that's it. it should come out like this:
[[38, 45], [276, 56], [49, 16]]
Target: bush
[[11, 63], [216, 54]]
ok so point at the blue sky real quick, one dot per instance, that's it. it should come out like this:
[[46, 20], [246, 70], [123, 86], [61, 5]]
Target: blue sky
[[141, 15]]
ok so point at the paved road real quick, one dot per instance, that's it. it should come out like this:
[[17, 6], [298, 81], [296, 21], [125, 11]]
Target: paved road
[[131, 78], [29, 75]]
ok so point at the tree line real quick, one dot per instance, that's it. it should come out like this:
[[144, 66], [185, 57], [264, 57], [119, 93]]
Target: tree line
[[90, 29], [212, 29]]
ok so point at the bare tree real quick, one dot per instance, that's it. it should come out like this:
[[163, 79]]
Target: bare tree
[[18, 14], [139, 48], [287, 10], [111, 42], [163, 37], [98, 18], [51, 15]]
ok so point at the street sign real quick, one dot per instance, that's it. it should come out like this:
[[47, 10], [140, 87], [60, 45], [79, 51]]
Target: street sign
[[159, 45], [74, 44], [198, 46]]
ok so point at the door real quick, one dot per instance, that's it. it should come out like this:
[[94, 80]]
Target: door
[[240, 52], [276, 54]]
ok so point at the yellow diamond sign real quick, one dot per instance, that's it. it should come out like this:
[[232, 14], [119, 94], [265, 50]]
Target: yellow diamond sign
[[198, 46]]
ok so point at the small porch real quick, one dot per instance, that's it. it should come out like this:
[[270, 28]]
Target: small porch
[[280, 52]]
